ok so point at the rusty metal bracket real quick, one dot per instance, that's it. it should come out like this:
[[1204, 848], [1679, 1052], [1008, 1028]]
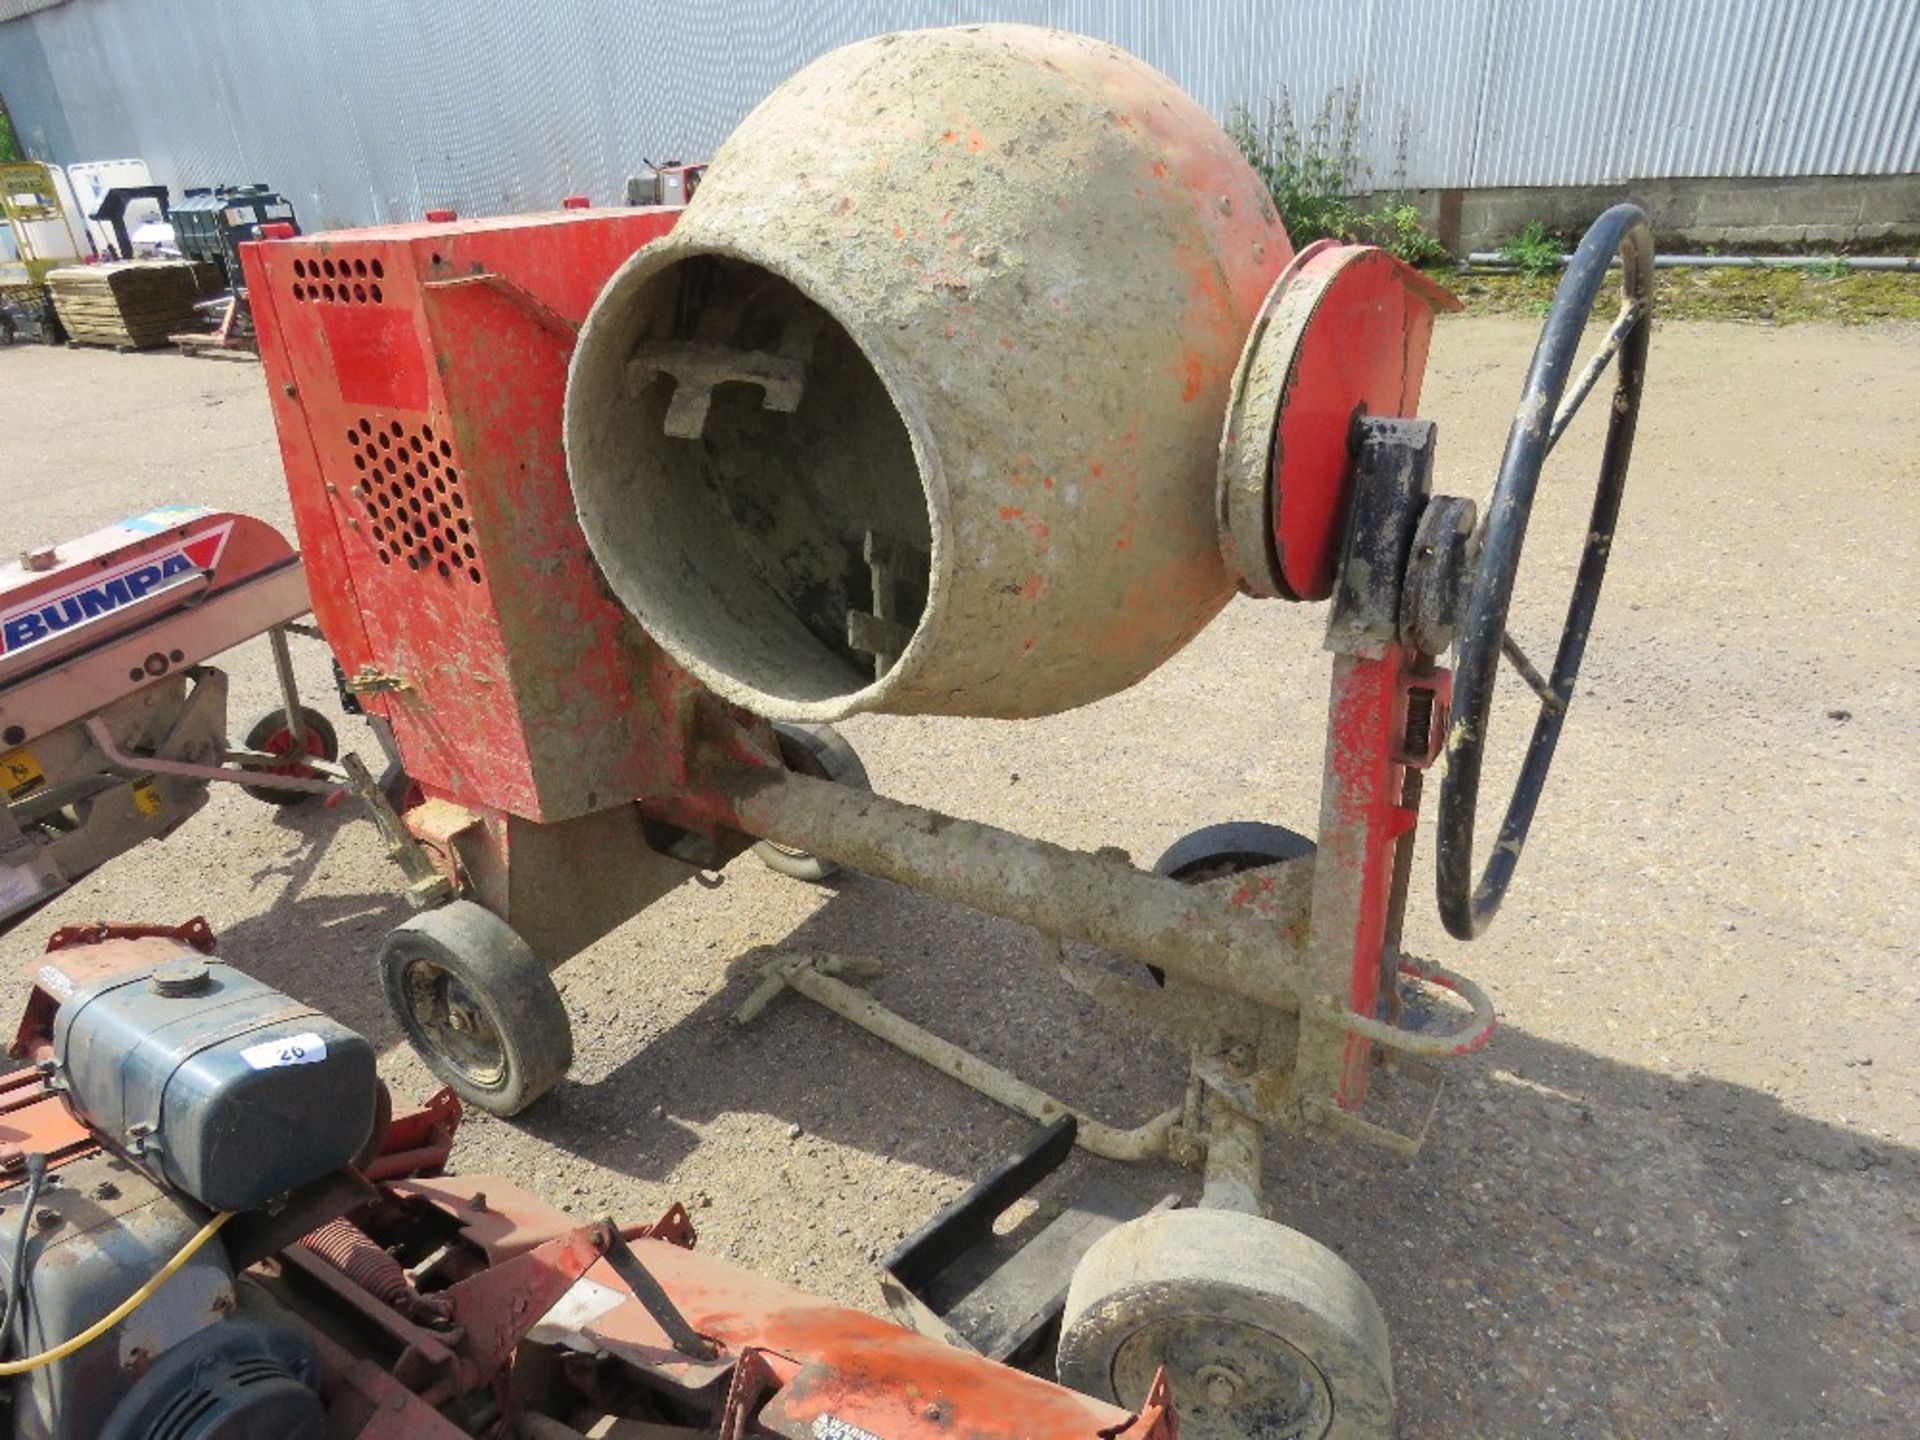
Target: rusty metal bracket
[[497, 1308], [653, 1297], [426, 885], [195, 932]]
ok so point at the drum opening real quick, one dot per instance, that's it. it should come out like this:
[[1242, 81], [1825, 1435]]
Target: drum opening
[[748, 483]]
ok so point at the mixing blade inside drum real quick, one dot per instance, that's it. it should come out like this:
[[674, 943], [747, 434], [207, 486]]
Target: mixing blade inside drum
[[771, 473]]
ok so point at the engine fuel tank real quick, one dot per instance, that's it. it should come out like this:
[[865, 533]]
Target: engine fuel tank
[[916, 410], [233, 1091]]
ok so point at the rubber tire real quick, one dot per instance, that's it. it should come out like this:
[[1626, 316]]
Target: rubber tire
[[822, 752], [506, 980], [1235, 844], [1220, 1263], [1242, 844], [272, 723]]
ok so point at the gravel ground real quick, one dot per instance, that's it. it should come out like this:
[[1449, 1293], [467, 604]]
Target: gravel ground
[[1675, 1197]]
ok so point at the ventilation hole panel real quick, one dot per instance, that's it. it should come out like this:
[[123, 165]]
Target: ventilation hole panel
[[412, 511], [341, 280]]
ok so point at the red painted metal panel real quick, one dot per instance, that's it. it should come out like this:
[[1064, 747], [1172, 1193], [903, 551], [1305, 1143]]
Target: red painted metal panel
[[418, 373]]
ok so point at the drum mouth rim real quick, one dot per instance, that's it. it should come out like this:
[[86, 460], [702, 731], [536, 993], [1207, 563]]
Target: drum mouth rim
[[606, 339]]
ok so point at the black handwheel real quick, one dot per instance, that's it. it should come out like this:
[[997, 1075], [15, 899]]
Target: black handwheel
[[477, 1005], [822, 752], [1547, 404], [272, 735]]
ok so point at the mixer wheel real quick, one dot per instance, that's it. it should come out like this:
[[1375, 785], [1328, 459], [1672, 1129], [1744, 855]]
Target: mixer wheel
[[1216, 851], [822, 752], [1263, 1333], [477, 1005], [271, 735]]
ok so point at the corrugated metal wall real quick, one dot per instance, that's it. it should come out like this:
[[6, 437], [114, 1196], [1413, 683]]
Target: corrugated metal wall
[[368, 110]]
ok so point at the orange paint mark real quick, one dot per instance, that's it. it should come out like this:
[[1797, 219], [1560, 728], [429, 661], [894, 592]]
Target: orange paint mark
[[1036, 585], [899, 232], [1159, 169], [1195, 371], [1037, 530], [1047, 481], [947, 137], [974, 143], [1006, 343]]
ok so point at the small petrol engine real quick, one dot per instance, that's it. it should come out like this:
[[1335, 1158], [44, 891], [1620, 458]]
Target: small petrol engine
[[172, 1091]]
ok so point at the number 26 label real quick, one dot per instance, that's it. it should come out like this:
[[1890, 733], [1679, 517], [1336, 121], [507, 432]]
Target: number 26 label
[[303, 1049]]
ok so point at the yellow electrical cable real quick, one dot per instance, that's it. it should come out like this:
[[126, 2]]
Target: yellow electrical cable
[[125, 1308]]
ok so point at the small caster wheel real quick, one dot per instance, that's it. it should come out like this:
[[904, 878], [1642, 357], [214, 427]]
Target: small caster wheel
[[822, 752], [272, 735], [1264, 1334], [1214, 852], [477, 1005]]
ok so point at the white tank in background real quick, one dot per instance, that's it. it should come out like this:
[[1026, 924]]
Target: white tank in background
[[90, 181]]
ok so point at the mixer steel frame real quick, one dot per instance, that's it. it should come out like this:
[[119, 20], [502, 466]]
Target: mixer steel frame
[[521, 751], [1273, 975]]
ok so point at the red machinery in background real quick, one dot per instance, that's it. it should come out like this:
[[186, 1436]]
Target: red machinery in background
[[846, 437], [113, 720], [283, 1258]]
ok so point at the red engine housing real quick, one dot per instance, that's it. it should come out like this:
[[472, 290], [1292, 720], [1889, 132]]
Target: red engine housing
[[417, 374]]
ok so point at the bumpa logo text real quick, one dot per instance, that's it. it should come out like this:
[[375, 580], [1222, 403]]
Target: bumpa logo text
[[106, 591]]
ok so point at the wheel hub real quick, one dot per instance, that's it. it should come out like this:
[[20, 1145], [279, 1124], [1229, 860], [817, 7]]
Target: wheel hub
[[453, 1022], [1230, 1380]]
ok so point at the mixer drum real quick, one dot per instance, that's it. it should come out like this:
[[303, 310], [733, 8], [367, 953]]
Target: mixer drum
[[916, 409]]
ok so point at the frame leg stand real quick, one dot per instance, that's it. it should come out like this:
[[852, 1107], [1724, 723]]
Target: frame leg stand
[[815, 974], [1233, 1180]]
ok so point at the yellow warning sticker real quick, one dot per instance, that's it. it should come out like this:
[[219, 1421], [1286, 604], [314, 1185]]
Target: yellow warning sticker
[[20, 772], [146, 799]]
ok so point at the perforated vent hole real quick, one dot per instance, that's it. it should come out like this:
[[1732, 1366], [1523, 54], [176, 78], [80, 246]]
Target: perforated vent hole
[[410, 500], [313, 280]]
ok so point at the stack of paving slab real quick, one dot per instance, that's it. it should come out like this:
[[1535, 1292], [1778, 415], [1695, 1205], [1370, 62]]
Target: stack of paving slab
[[129, 304]]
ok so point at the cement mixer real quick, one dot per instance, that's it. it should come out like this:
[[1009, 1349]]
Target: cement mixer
[[975, 379], [987, 334], [977, 376]]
